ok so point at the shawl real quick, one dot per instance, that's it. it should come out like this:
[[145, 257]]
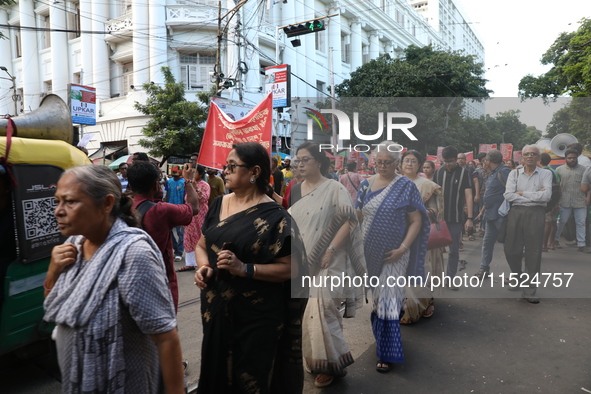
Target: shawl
[[327, 208], [384, 224], [428, 189], [86, 297]]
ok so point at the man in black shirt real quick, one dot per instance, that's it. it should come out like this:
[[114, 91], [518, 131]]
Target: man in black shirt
[[277, 176], [457, 191]]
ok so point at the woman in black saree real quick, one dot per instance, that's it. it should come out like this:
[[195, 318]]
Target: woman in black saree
[[251, 325]]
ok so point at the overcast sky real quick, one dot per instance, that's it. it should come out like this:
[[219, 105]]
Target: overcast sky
[[515, 34]]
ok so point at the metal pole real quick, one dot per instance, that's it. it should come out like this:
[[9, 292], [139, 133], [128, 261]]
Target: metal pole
[[334, 139], [218, 65]]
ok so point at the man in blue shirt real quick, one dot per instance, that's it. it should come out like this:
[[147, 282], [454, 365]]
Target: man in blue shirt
[[175, 194], [493, 198]]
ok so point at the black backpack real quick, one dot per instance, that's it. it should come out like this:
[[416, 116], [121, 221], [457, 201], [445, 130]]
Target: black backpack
[[143, 208]]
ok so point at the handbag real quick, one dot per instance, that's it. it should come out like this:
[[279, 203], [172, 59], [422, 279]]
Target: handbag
[[439, 235]]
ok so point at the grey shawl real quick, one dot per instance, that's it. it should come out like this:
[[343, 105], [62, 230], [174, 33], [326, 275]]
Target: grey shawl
[[86, 298]]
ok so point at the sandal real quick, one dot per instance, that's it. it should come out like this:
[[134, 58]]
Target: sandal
[[429, 311], [471, 238], [383, 367], [323, 380], [186, 268], [185, 364]]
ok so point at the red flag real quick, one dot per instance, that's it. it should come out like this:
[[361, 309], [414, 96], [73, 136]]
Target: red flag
[[469, 156], [506, 151], [339, 161], [517, 156], [221, 132], [439, 156], [486, 147], [372, 159]]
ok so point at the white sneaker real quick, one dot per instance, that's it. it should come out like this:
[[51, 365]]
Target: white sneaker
[[571, 242], [178, 258]]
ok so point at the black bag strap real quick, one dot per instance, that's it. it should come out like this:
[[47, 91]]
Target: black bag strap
[[350, 180], [143, 208]]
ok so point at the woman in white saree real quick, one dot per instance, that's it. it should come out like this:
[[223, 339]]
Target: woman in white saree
[[324, 213]]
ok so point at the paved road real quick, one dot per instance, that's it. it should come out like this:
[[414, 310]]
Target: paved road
[[485, 340]]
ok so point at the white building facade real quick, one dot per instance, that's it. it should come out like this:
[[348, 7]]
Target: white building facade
[[116, 46]]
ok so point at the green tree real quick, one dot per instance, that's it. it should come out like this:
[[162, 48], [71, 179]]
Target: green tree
[[421, 72], [426, 82], [177, 125], [573, 119], [570, 57]]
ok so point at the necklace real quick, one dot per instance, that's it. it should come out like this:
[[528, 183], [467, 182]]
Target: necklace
[[232, 196]]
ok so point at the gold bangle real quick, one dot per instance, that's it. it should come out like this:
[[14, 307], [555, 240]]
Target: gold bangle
[[255, 271]]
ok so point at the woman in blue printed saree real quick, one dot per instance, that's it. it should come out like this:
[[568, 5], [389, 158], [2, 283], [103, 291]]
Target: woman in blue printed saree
[[395, 234]]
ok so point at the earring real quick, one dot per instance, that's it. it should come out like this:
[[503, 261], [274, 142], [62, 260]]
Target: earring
[[252, 180]]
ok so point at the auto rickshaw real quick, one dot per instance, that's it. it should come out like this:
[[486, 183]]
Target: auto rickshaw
[[37, 156]]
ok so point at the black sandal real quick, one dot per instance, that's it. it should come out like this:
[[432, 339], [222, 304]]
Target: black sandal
[[383, 367]]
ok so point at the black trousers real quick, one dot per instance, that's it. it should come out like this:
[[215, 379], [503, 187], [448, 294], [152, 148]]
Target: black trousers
[[525, 230]]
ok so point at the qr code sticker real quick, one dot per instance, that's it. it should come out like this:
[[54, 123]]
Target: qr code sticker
[[39, 218]]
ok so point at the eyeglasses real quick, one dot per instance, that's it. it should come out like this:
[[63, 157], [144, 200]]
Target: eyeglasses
[[527, 154], [304, 161], [410, 161], [232, 167], [386, 163], [192, 160]]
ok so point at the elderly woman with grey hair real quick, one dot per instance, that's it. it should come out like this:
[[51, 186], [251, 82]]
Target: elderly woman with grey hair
[[395, 233], [107, 292]]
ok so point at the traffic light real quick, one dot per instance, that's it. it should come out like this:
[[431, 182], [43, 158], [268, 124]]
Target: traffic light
[[304, 28]]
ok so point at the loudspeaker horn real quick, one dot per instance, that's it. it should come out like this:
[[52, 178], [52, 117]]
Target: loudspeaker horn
[[560, 142], [51, 121]]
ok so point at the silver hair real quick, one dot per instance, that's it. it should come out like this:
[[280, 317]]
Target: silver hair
[[392, 148], [98, 182], [531, 146], [495, 156]]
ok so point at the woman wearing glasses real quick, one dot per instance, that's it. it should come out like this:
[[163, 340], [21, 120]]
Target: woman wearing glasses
[[419, 299], [244, 266], [323, 211], [395, 234]]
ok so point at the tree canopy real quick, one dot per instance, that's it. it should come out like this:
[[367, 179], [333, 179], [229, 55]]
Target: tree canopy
[[421, 72], [177, 125], [570, 75]]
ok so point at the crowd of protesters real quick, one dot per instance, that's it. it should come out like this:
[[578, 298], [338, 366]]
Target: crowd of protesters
[[251, 232]]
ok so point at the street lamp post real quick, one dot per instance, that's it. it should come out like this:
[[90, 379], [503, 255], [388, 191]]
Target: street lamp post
[[13, 79]]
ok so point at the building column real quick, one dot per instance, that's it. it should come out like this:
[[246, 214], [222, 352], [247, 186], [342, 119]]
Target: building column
[[252, 79], [100, 51], [356, 45], [141, 41], [334, 41], [6, 105], [374, 45], [30, 52], [389, 48], [158, 40], [309, 43], [86, 43], [60, 70]]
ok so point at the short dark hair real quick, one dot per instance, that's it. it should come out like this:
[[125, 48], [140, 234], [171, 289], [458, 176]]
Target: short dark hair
[[194, 154], [416, 154], [317, 154], [122, 164], [254, 154], [545, 159], [200, 169], [450, 152], [571, 151], [142, 175], [352, 166], [430, 163], [481, 156], [141, 156]]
